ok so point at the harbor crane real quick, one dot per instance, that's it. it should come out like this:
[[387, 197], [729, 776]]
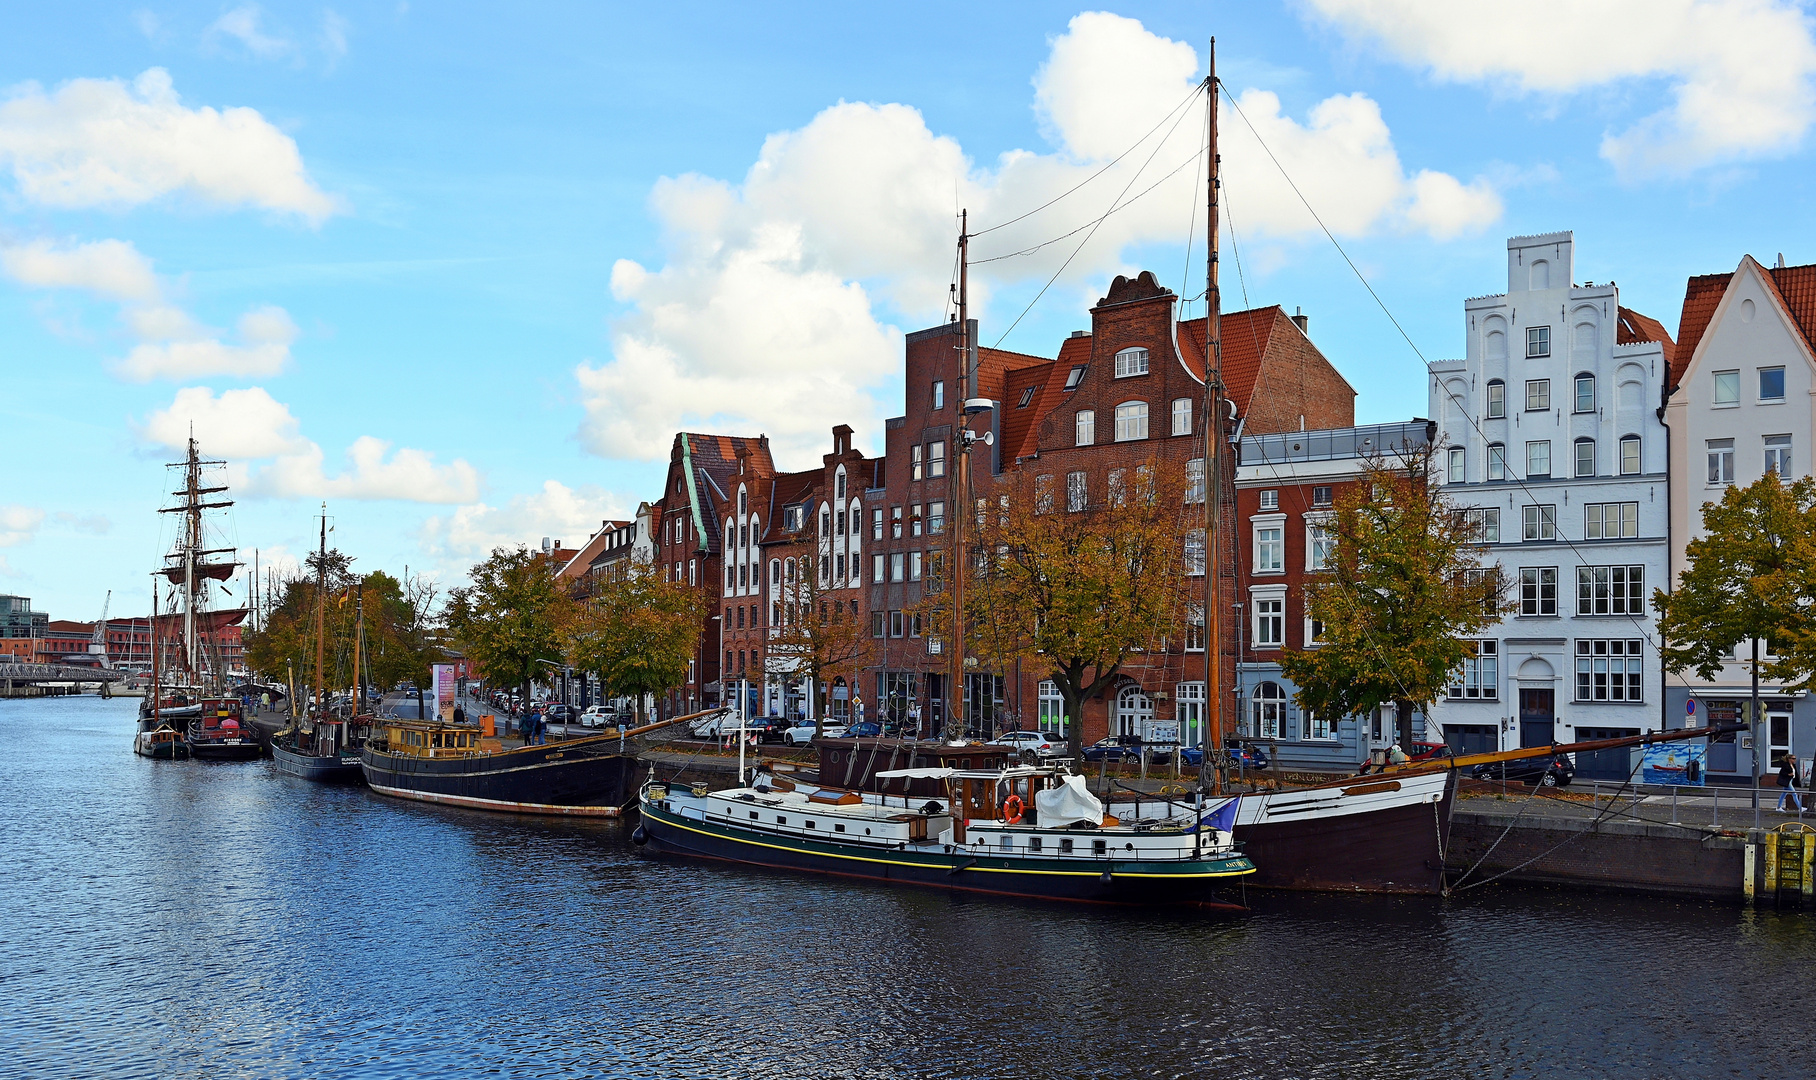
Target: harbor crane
[[97, 645]]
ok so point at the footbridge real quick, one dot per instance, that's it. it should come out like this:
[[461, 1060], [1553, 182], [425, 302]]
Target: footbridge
[[17, 674]]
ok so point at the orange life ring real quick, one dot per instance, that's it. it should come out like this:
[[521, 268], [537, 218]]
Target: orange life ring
[[1012, 810]]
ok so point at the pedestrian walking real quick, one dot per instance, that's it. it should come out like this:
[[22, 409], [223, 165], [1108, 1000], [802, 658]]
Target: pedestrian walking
[[1788, 780]]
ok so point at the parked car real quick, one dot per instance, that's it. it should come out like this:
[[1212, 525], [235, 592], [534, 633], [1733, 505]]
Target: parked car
[[1031, 742], [560, 714], [1126, 748], [599, 716], [868, 729], [1248, 758], [1426, 751], [1555, 771], [802, 733]]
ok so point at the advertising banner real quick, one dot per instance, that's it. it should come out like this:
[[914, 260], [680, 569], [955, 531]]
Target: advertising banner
[[444, 692], [1679, 764]]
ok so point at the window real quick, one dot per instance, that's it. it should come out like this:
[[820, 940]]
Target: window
[[1771, 384], [876, 522], [1194, 552], [1585, 393], [1540, 523], [1485, 524], [876, 624], [897, 565], [914, 566], [1538, 590], [1189, 711], [895, 524], [1455, 459], [876, 568], [1084, 428], [1538, 395], [1043, 494], [1270, 499], [1194, 630], [1778, 455], [1075, 376], [1050, 708], [1026, 396], [1314, 632], [1270, 622], [1538, 341], [1497, 399], [1118, 488], [936, 459], [1497, 461], [1270, 550], [1131, 362], [1610, 590], [1630, 455], [1182, 416], [895, 624], [1608, 670], [1269, 709], [1321, 495], [1479, 677], [1727, 388], [1317, 726], [1319, 543], [939, 394], [1721, 461], [914, 520], [1585, 457], [1610, 521], [839, 526], [1075, 492], [1131, 421], [1538, 458], [914, 462], [839, 568], [936, 518], [1194, 480]]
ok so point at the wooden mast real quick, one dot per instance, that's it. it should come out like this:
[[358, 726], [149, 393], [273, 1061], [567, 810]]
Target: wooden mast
[[1213, 457], [321, 584], [157, 688], [955, 518]]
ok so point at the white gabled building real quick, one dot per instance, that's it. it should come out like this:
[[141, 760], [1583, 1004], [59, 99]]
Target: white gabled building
[[1549, 429], [1743, 401]]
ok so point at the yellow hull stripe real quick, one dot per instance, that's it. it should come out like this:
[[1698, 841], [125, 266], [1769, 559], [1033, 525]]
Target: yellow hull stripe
[[668, 819]]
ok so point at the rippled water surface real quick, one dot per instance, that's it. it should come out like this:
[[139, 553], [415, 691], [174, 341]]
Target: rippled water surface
[[190, 919]]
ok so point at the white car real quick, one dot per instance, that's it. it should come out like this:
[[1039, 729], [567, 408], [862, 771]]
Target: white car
[[1034, 742], [803, 733]]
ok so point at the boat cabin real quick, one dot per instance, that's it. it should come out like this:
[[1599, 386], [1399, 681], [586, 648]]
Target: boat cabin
[[430, 739], [853, 764]]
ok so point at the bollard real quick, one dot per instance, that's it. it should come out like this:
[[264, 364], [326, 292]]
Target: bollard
[[1747, 870], [1674, 804]]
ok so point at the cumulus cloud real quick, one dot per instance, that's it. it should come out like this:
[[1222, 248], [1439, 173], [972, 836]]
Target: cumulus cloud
[[557, 511], [238, 424], [18, 524], [172, 344], [107, 143], [1739, 71], [765, 315]]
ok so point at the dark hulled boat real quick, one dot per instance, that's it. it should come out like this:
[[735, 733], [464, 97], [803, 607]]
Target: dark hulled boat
[[322, 753], [218, 734], [460, 766]]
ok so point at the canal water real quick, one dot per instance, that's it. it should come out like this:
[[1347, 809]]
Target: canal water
[[188, 919]]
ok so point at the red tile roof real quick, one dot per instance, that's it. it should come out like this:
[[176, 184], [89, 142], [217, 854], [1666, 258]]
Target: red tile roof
[[1246, 336], [1796, 288], [1631, 328]]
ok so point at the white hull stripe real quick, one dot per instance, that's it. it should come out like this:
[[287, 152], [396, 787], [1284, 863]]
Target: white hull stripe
[[499, 804]]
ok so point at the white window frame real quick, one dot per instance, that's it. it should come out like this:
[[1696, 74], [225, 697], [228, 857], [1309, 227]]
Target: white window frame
[[1611, 521], [1577, 448], [1485, 521], [1050, 708], [1456, 460], [1497, 400], [1778, 456], [1726, 389], [1182, 416], [1610, 670], [1320, 542], [1721, 462], [1538, 395], [1269, 550], [1536, 450], [1631, 462], [1267, 622], [1497, 462], [1478, 679], [1577, 384], [1131, 362], [1084, 427], [1078, 492], [1131, 421], [1763, 399], [1538, 521], [1611, 590], [1268, 710], [1538, 342]]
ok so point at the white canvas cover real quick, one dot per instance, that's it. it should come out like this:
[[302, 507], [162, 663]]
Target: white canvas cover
[[1067, 804], [917, 774]]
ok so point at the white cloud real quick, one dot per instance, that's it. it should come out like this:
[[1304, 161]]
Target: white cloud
[[265, 334], [238, 424], [109, 268], [765, 316], [407, 475], [242, 25], [1739, 71], [570, 515], [18, 524], [334, 36], [104, 143], [92, 524]]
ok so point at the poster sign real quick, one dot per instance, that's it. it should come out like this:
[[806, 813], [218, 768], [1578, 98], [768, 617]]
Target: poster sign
[[1162, 733], [444, 692], [1679, 764]]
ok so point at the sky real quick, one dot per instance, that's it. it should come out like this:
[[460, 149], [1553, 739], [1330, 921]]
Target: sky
[[460, 272]]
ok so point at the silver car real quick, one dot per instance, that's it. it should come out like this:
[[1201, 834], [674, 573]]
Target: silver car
[[1031, 742]]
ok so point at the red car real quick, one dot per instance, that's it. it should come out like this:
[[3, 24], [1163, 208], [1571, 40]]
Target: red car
[[1427, 751]]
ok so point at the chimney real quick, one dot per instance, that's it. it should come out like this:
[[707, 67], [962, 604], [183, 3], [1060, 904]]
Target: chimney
[[1300, 319], [1780, 264], [545, 545], [1081, 333]]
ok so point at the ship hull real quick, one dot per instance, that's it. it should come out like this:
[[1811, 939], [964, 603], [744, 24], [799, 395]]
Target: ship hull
[[335, 769], [560, 779], [225, 749], [1214, 884], [1386, 836], [159, 749]]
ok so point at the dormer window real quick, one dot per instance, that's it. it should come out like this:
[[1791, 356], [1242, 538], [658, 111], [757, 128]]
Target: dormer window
[[1027, 396], [1131, 362], [1075, 376]]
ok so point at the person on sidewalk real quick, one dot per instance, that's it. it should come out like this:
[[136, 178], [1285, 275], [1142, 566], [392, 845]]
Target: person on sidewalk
[[1789, 781]]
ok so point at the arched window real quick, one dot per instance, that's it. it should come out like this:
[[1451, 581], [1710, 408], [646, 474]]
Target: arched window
[[1497, 399], [1131, 421], [788, 571], [1630, 455], [742, 501], [1131, 362], [1134, 710], [756, 529], [838, 484], [1585, 457], [775, 571], [1585, 393], [775, 614], [1268, 710], [1497, 461]]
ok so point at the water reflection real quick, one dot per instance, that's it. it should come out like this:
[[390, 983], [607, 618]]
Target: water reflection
[[188, 919]]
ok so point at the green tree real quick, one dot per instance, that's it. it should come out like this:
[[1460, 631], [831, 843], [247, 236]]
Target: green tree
[[1077, 594], [1403, 594], [637, 632], [400, 644], [510, 618]]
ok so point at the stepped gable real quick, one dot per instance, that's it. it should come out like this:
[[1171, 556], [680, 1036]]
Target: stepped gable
[[1796, 288]]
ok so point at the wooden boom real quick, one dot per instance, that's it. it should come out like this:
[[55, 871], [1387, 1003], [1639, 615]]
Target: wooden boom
[[1465, 761]]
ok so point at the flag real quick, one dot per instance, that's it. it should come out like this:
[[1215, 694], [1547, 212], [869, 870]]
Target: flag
[[1222, 819]]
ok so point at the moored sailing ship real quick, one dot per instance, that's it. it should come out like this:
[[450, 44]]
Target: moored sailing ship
[[320, 746]]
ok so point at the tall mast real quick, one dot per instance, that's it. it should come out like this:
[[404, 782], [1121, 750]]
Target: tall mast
[[157, 692], [359, 642], [321, 584], [955, 693], [1213, 456], [192, 548]]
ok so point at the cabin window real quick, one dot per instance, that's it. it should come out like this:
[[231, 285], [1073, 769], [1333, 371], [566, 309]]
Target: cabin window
[[1008, 843], [780, 820], [1033, 843], [1065, 845], [753, 815], [838, 827], [810, 824], [1097, 847]]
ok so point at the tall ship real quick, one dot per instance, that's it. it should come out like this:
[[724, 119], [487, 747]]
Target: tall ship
[[319, 744]]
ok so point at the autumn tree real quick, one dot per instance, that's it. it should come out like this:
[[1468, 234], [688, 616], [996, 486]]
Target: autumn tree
[[509, 620], [1075, 593], [637, 632], [820, 636], [400, 638], [1403, 594]]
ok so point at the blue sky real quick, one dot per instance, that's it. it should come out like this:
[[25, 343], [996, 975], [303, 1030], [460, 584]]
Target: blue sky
[[462, 271]]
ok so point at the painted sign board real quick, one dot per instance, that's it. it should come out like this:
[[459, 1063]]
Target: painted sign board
[[444, 692]]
